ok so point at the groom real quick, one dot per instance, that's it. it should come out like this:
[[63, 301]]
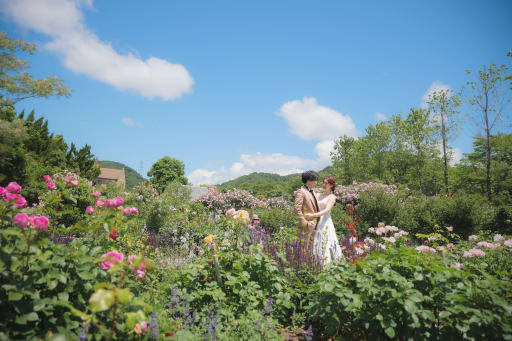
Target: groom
[[305, 202]]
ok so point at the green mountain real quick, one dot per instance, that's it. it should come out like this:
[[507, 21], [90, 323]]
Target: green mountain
[[133, 178], [269, 184]]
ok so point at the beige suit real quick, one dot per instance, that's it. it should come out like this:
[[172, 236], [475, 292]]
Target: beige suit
[[305, 202]]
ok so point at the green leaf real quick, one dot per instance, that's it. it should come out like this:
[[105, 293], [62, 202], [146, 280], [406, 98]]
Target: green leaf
[[15, 296], [444, 314], [132, 318], [124, 295], [390, 332], [101, 300]]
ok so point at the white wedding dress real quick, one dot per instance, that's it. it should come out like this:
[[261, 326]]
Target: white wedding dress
[[325, 242]]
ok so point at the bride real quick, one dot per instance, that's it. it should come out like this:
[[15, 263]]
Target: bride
[[325, 242]]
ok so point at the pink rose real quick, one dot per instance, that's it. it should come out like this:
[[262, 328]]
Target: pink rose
[[119, 201], [99, 203], [47, 178], [139, 272], [127, 211], [110, 203], [20, 201], [40, 223], [68, 179], [231, 212], [112, 258], [96, 193], [51, 185], [2, 191], [450, 245], [21, 220], [134, 210], [450, 228], [75, 183], [89, 210], [144, 325], [13, 187]]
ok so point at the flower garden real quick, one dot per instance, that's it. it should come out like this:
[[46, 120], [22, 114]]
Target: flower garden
[[88, 263]]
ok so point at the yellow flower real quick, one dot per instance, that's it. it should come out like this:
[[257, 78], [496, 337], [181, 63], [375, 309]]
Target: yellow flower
[[209, 239], [137, 329], [201, 266]]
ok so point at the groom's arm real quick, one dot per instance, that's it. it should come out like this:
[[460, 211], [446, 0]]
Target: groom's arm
[[299, 203]]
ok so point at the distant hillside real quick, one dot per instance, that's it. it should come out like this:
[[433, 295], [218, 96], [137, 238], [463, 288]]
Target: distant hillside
[[254, 178], [133, 178], [257, 178], [269, 184]]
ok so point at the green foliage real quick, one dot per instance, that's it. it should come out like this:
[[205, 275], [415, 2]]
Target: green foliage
[[66, 205], [165, 171], [28, 151], [133, 178], [274, 219], [377, 206], [400, 294], [42, 282], [247, 280], [16, 84]]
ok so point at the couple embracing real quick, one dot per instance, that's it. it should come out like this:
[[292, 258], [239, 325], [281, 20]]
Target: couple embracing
[[314, 214]]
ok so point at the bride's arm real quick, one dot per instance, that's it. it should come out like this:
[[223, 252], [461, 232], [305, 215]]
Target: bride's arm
[[328, 208]]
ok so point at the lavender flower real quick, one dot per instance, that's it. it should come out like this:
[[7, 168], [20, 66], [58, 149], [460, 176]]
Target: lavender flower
[[83, 331], [153, 326], [309, 333], [268, 306]]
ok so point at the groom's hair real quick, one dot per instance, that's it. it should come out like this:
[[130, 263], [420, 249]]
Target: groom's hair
[[309, 176]]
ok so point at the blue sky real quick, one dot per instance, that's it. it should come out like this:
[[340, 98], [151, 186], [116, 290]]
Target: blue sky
[[231, 87]]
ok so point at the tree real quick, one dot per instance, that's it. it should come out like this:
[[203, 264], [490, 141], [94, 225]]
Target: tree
[[443, 107], [471, 171], [509, 77], [343, 159], [487, 95], [165, 171], [28, 151], [17, 85], [419, 135]]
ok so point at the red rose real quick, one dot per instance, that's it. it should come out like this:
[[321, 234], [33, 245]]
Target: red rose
[[113, 234], [169, 334]]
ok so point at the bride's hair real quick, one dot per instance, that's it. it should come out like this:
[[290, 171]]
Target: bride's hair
[[330, 180]]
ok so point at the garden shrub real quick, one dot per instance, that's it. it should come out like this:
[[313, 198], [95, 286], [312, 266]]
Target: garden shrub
[[40, 286], [273, 220], [65, 205], [377, 206], [401, 294], [247, 281]]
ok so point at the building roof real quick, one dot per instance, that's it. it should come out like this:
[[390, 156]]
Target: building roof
[[111, 174]]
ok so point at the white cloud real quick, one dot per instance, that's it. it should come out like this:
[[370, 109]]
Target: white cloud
[[205, 177], [455, 154], [309, 120], [380, 116], [435, 86], [83, 52], [127, 121]]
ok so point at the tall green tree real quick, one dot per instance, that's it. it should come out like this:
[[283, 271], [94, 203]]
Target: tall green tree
[[487, 95], [471, 171], [509, 77], [165, 171], [343, 159], [443, 105], [17, 84], [28, 151], [419, 135]]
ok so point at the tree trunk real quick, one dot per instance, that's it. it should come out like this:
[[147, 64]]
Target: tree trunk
[[445, 157], [488, 133]]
